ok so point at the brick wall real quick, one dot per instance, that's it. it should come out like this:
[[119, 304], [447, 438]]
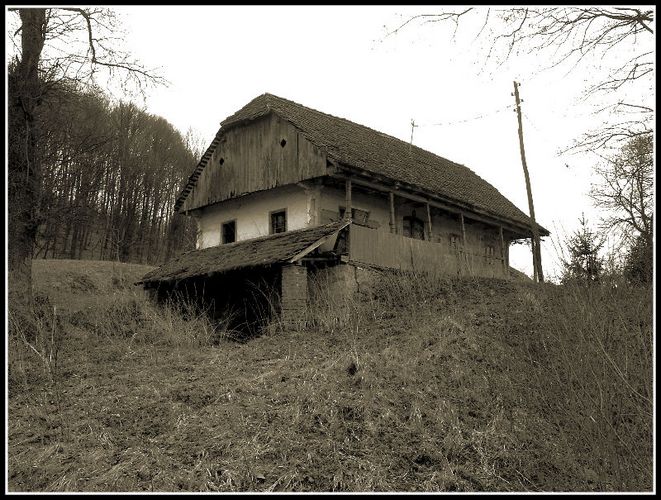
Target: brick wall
[[294, 294]]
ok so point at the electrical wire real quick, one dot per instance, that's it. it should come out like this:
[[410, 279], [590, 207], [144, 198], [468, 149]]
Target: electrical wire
[[480, 116]]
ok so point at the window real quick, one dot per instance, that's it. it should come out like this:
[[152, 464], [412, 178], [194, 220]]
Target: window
[[228, 232], [359, 216], [414, 227], [278, 221]]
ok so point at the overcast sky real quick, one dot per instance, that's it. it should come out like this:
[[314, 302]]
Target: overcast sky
[[339, 61]]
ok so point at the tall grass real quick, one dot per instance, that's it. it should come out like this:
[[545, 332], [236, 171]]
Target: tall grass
[[578, 361], [589, 352], [37, 333], [417, 383]]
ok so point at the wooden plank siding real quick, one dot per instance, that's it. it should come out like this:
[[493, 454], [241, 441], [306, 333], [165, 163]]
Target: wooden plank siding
[[384, 249], [264, 154]]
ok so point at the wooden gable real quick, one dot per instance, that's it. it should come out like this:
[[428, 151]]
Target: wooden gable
[[262, 154]]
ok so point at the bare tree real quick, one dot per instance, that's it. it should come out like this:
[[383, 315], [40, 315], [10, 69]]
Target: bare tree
[[55, 44], [626, 190], [24, 163], [569, 36]]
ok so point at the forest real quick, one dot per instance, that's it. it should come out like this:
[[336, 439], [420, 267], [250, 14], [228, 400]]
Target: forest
[[110, 175]]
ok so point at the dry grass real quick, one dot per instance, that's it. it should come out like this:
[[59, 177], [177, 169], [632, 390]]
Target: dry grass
[[428, 385]]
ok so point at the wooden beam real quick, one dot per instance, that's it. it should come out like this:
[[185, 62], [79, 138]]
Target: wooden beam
[[347, 208], [502, 251], [317, 244], [434, 203], [463, 243], [393, 227], [429, 221], [334, 168]]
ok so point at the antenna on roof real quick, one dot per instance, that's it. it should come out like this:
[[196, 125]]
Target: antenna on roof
[[412, 127]]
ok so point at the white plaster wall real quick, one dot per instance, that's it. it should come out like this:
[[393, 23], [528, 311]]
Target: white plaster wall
[[252, 214], [305, 205]]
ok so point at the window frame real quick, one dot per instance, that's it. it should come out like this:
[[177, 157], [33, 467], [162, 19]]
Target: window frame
[[341, 210], [274, 212], [411, 219], [222, 231]]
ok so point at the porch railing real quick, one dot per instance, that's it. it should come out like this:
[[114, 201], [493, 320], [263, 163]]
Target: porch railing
[[384, 249]]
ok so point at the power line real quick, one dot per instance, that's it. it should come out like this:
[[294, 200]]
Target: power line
[[530, 122], [478, 117]]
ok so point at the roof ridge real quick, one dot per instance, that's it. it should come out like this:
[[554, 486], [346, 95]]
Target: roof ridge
[[383, 134]]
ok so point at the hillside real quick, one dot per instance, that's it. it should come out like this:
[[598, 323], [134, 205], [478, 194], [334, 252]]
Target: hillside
[[454, 385]]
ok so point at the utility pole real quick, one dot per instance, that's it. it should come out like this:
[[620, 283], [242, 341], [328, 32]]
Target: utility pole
[[536, 253]]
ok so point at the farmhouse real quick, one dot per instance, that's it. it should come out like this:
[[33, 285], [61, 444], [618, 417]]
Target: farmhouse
[[286, 195]]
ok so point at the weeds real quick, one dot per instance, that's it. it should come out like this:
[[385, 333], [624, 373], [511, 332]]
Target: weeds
[[592, 370], [38, 329], [425, 384]]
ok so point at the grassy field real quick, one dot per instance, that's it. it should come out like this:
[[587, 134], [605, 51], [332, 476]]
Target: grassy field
[[453, 385]]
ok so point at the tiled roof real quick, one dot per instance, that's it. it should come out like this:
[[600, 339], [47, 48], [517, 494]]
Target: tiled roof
[[361, 147], [263, 251]]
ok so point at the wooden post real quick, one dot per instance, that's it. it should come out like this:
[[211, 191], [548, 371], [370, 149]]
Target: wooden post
[[536, 253], [463, 240], [429, 222], [393, 227], [347, 215], [502, 251]]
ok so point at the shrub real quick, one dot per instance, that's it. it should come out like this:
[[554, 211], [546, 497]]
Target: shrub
[[34, 330]]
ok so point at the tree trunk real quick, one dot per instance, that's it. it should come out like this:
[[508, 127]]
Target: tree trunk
[[24, 166]]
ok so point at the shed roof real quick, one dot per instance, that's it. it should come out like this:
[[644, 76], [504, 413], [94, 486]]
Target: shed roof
[[256, 252], [363, 148]]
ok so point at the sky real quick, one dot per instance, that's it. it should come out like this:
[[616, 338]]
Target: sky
[[338, 59]]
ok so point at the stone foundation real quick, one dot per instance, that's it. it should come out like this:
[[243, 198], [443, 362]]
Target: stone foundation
[[341, 283]]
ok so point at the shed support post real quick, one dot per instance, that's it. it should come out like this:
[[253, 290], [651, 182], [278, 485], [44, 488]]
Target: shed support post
[[463, 240], [429, 222], [392, 212], [348, 214], [502, 252]]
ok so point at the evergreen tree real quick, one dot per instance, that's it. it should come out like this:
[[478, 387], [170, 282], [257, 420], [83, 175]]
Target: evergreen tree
[[584, 264], [639, 263]]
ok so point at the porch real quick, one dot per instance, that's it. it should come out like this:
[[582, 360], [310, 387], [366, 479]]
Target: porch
[[390, 250]]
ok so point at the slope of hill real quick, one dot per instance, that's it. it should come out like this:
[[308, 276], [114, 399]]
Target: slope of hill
[[454, 385]]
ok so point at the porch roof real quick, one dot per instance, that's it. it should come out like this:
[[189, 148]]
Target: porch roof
[[256, 252]]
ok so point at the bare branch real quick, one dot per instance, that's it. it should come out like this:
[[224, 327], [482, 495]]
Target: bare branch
[[436, 17], [576, 36]]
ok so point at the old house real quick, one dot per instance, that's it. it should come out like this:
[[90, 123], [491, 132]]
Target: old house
[[285, 194]]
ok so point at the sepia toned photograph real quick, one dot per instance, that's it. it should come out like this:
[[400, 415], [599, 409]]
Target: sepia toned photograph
[[330, 249]]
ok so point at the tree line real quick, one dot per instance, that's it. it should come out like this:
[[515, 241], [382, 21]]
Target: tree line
[[110, 174], [624, 192]]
